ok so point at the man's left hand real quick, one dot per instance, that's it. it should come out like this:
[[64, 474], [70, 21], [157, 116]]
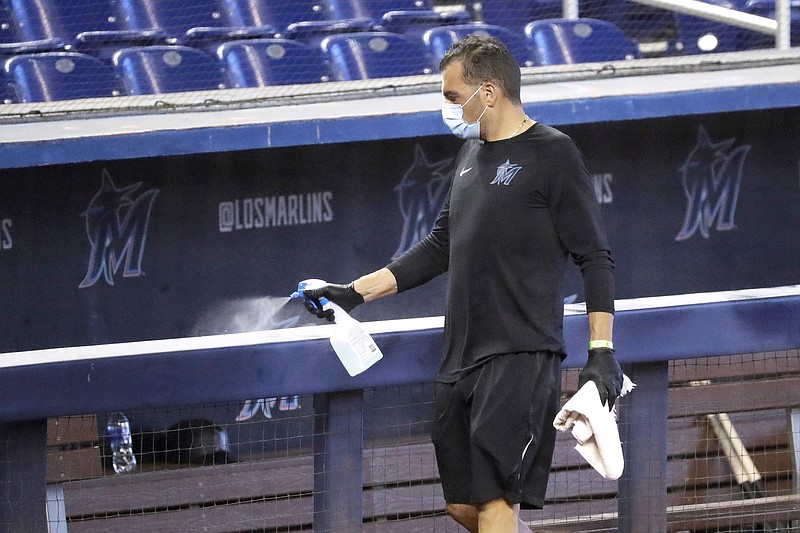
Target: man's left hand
[[603, 369]]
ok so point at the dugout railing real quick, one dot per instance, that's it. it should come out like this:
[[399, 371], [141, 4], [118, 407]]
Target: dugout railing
[[650, 332]]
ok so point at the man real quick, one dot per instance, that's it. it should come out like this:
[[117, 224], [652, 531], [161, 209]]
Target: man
[[521, 202]]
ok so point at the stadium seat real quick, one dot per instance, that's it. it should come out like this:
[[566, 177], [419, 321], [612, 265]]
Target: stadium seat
[[30, 47], [652, 28], [200, 24], [8, 50], [7, 94], [367, 55], [414, 24], [279, 15], [397, 16], [562, 41], [8, 27], [375, 9], [439, 39], [515, 14], [313, 32], [267, 62], [308, 21], [167, 69], [57, 76], [87, 26], [13, 43]]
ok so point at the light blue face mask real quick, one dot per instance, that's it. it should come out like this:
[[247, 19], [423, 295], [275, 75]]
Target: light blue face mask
[[453, 117]]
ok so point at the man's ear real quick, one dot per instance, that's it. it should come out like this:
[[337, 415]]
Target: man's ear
[[492, 93]]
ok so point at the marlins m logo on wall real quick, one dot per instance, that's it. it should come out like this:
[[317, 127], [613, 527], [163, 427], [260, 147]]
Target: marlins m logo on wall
[[712, 174], [116, 225], [421, 193]]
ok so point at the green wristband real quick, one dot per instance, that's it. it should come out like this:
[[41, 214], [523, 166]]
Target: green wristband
[[601, 344]]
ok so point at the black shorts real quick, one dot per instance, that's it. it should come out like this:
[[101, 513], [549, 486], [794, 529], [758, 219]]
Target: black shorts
[[493, 430]]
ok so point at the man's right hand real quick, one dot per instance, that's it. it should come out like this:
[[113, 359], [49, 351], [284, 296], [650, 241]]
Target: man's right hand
[[345, 296]]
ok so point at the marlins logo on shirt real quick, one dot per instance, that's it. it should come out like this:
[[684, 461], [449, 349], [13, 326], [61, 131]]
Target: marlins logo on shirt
[[506, 173]]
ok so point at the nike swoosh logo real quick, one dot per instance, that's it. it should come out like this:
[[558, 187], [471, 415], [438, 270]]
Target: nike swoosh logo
[[465, 171]]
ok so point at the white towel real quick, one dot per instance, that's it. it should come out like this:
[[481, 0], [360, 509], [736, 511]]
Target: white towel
[[595, 428]]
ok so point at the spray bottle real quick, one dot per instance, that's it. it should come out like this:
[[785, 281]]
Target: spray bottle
[[351, 342]]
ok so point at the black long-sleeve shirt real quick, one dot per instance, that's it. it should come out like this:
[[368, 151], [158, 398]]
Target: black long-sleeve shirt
[[516, 210]]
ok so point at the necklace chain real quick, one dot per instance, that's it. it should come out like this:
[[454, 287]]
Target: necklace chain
[[524, 121]]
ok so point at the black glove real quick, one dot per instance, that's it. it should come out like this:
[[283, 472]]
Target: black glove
[[345, 296], [604, 370]]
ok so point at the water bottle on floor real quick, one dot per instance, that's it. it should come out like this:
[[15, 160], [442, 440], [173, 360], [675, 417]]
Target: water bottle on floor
[[118, 431]]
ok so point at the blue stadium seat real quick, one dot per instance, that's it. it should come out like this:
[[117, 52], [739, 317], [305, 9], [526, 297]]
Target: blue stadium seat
[[168, 69], [11, 49], [7, 93], [515, 14], [8, 27], [438, 40], [57, 76], [13, 43], [88, 26], [313, 32], [414, 24], [367, 55], [30, 47], [308, 21], [652, 27], [563, 41], [279, 15], [375, 9], [412, 17], [267, 62], [202, 24]]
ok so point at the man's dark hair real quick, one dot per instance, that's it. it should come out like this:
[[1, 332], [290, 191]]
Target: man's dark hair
[[485, 59]]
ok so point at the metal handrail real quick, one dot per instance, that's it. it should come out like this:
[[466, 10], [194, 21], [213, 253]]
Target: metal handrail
[[780, 27]]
